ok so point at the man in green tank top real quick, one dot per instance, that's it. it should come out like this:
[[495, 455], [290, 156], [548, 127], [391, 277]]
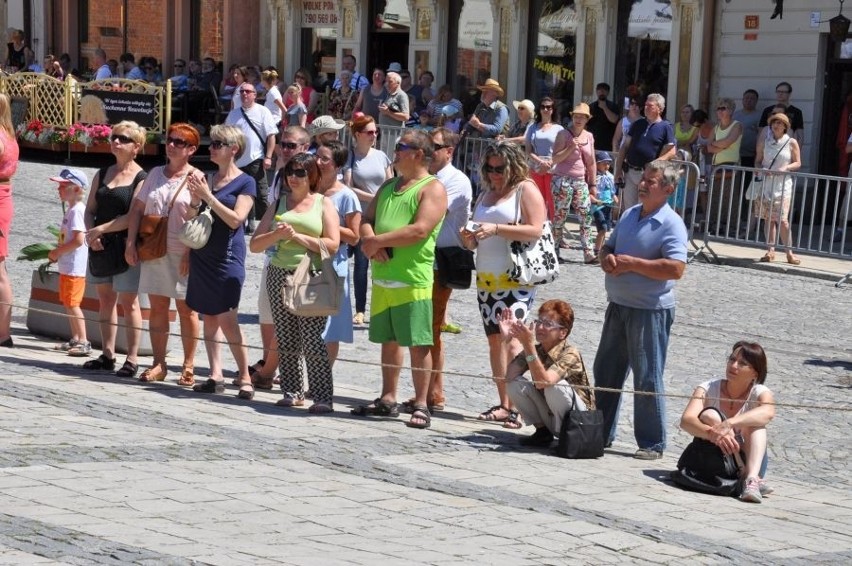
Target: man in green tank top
[[398, 233]]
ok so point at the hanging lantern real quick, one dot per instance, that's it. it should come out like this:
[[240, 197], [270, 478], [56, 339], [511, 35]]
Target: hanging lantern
[[838, 27]]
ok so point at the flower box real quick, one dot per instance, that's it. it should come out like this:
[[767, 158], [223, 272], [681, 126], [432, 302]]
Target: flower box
[[46, 316]]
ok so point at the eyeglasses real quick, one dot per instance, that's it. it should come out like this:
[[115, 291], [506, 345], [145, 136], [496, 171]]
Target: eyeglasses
[[177, 142], [404, 147], [721, 108], [440, 146], [247, 91], [547, 324], [546, 107], [120, 139], [301, 173], [369, 132], [290, 145], [499, 169], [218, 144], [738, 361]]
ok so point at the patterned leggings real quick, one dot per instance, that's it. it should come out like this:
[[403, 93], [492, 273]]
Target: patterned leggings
[[299, 337], [568, 193]]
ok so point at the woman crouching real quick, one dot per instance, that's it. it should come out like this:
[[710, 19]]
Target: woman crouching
[[557, 379], [747, 406]]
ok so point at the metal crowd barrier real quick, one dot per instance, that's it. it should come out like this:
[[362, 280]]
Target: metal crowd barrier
[[818, 212]]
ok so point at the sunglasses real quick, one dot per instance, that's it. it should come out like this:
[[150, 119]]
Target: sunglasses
[[547, 324], [440, 146], [301, 173], [546, 107], [404, 147], [120, 139], [369, 132], [290, 145], [177, 142], [499, 169], [218, 144], [247, 91]]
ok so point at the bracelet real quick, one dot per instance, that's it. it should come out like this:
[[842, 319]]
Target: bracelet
[[531, 358]]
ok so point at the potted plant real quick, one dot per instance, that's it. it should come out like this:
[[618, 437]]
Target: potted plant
[[82, 137], [36, 133]]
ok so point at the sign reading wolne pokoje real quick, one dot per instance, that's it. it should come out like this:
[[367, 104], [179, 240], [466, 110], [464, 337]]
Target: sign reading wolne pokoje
[[118, 106]]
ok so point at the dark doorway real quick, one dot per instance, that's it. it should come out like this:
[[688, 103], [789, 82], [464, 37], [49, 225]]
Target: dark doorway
[[836, 121], [389, 35]]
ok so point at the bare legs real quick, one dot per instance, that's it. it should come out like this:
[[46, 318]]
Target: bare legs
[[5, 303]]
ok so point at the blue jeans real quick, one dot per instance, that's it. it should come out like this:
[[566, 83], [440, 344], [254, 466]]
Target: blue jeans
[[634, 339], [359, 276]]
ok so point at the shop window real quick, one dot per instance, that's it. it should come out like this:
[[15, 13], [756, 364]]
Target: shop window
[[471, 41], [647, 51], [552, 50]]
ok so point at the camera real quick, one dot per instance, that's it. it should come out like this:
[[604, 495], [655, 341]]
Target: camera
[[472, 226]]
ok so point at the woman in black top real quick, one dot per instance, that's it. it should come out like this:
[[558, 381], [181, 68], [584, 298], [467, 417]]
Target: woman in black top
[[106, 222]]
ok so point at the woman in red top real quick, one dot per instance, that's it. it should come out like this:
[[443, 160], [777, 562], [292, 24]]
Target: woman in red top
[[310, 97], [8, 166]]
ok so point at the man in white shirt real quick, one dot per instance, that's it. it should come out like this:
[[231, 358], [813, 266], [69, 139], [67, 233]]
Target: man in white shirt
[[258, 125], [459, 196], [103, 71]]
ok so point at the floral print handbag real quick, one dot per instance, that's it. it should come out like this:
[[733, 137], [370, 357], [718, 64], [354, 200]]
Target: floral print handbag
[[533, 263]]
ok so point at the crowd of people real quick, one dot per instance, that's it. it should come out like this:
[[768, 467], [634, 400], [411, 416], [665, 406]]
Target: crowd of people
[[398, 215]]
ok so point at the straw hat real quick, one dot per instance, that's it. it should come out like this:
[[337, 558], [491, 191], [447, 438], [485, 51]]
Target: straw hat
[[780, 117], [582, 109], [491, 84], [325, 124], [526, 103]]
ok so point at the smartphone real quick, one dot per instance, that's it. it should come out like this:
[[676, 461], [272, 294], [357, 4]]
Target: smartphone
[[471, 226]]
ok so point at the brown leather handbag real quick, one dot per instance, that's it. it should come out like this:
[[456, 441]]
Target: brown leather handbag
[[153, 235]]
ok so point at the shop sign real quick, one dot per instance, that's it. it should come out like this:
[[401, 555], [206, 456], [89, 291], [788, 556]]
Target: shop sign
[[751, 23], [319, 13], [556, 69], [118, 106]]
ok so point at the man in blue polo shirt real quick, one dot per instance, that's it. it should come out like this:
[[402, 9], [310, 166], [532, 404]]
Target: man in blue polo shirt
[[649, 138], [642, 259]]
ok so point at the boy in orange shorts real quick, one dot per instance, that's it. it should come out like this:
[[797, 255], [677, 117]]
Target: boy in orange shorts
[[72, 257]]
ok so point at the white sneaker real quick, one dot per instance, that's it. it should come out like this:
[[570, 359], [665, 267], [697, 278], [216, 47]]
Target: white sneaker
[[81, 350], [751, 491], [66, 346]]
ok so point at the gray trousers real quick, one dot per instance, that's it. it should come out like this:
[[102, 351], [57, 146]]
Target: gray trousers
[[543, 406]]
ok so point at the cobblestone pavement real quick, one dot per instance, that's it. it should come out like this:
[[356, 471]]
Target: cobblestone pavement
[[96, 470]]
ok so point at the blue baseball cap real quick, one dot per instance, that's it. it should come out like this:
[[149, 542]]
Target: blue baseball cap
[[602, 156], [72, 176]]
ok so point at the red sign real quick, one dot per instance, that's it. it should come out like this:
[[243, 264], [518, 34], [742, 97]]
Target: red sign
[[752, 22]]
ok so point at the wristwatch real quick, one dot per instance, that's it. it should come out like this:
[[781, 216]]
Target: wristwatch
[[531, 358]]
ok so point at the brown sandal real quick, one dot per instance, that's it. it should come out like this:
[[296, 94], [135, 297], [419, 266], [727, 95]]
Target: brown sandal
[[187, 377], [154, 373]]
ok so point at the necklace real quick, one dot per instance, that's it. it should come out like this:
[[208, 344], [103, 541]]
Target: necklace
[[733, 400]]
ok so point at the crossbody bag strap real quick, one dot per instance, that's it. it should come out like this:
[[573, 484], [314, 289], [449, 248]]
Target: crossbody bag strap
[[519, 194], [177, 192], [252, 126], [771, 163]]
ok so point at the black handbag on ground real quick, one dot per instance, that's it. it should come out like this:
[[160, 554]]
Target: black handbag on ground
[[455, 267], [582, 433], [704, 467], [109, 261]]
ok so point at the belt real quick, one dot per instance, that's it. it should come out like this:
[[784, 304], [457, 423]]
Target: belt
[[633, 167]]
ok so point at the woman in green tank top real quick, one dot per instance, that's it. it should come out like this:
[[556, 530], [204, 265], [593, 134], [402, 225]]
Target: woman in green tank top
[[295, 226]]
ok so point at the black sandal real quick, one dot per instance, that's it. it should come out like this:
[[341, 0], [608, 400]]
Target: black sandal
[[101, 362], [422, 413], [210, 386], [129, 369], [377, 408]]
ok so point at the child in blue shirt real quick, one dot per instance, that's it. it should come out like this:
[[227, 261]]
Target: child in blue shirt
[[607, 196]]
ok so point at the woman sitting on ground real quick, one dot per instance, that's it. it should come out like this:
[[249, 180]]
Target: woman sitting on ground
[[747, 406], [557, 380]]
